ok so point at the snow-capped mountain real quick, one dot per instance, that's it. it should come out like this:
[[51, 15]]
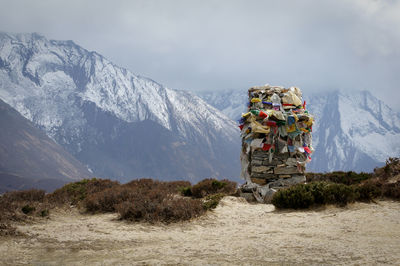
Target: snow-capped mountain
[[353, 130], [119, 124], [231, 102]]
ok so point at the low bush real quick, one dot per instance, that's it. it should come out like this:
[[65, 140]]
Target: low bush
[[303, 196], [295, 197], [391, 168], [175, 186], [369, 190], [170, 209], [213, 186], [347, 178], [105, 201], [339, 194], [28, 209], [75, 192], [139, 200], [378, 188], [146, 200], [44, 213], [211, 201], [24, 195], [186, 191], [391, 190], [8, 230], [16, 206]]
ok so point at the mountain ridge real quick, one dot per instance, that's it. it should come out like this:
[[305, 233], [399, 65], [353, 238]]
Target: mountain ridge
[[29, 158], [62, 87], [353, 130]]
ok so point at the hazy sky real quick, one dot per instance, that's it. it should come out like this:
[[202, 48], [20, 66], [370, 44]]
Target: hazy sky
[[316, 45]]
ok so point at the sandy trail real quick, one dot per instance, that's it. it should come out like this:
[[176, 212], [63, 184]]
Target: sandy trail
[[235, 233]]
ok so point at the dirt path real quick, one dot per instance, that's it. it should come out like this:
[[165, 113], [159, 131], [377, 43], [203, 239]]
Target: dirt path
[[235, 233]]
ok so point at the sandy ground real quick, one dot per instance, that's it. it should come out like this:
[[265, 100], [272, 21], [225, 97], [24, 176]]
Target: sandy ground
[[235, 233]]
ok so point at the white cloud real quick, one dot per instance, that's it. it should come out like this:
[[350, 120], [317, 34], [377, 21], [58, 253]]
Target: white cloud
[[233, 43]]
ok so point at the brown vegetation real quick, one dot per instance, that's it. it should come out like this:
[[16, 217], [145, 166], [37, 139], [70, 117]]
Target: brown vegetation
[[146, 200], [76, 192], [213, 186], [341, 188], [20, 206], [139, 200], [347, 178]]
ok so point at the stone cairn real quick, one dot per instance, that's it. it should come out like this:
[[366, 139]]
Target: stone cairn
[[276, 141]]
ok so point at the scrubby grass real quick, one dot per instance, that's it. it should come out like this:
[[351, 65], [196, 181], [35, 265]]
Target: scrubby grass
[[213, 186], [146, 200], [17, 206], [137, 190], [155, 201], [341, 188], [139, 200], [211, 201], [303, 196], [163, 209], [392, 168], [211, 191], [347, 178], [186, 191], [73, 193]]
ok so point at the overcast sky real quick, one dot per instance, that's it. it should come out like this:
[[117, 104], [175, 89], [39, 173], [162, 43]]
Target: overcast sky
[[315, 45]]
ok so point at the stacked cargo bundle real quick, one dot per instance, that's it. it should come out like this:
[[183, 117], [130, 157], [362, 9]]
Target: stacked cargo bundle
[[276, 137]]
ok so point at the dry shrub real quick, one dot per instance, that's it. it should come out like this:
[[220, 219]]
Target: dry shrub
[[369, 190], [347, 178], [391, 168], [146, 200], [186, 191], [378, 188], [295, 197], [303, 196], [7, 229], [17, 206], [175, 186], [382, 185], [139, 200], [172, 187], [211, 201], [24, 195], [318, 193], [73, 193], [213, 186], [391, 190], [169, 209], [10, 211], [105, 201]]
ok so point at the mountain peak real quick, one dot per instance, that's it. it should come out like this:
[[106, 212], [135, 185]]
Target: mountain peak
[[353, 130], [88, 104]]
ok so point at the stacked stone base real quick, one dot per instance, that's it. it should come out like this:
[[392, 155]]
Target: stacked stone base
[[280, 171], [268, 176]]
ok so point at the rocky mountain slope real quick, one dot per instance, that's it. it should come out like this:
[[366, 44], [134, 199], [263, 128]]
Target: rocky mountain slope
[[29, 158], [353, 130], [119, 124]]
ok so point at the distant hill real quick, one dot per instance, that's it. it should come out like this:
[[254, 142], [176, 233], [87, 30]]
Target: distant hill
[[30, 159]]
